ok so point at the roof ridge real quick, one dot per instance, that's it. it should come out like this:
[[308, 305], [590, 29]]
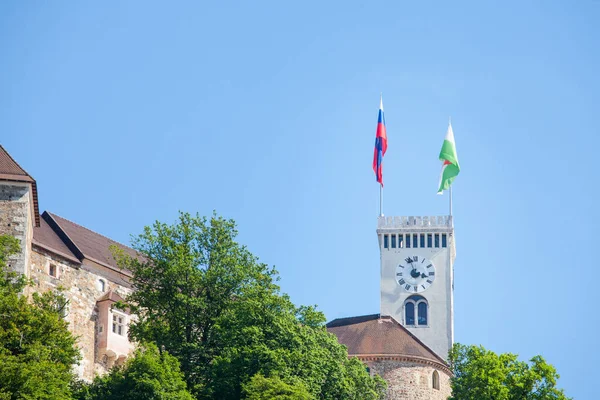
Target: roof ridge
[[99, 234], [16, 163]]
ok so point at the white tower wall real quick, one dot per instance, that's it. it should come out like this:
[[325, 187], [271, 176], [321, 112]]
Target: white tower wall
[[438, 334]]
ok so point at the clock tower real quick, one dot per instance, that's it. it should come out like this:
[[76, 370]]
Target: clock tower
[[417, 279]]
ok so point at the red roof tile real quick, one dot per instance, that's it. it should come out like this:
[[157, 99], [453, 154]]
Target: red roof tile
[[85, 243], [375, 335], [46, 238], [110, 295]]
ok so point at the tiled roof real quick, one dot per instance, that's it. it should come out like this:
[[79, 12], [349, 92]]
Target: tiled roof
[[85, 243], [370, 335], [11, 171], [110, 295], [46, 238], [9, 167]]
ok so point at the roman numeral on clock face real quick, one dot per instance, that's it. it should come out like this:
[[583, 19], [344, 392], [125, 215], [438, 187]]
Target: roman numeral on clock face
[[429, 266], [416, 258], [401, 281], [415, 288], [399, 274], [429, 281], [407, 287], [431, 273], [408, 260]]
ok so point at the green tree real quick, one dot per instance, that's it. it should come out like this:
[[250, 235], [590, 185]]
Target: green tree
[[481, 374], [147, 375], [209, 302], [261, 388], [37, 351]]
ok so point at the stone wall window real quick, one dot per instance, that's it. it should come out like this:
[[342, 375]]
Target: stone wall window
[[393, 241], [400, 244], [429, 240], [53, 271], [101, 285], [422, 244], [118, 324], [386, 241], [435, 380], [415, 311], [444, 240]]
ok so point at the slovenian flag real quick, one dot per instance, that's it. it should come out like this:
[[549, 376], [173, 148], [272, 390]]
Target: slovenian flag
[[449, 159], [380, 145]]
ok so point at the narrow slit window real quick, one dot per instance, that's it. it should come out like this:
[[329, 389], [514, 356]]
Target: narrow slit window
[[393, 241], [400, 243], [386, 243], [422, 244], [444, 240], [408, 241], [52, 270], [410, 313], [437, 240], [435, 380], [415, 240], [429, 240]]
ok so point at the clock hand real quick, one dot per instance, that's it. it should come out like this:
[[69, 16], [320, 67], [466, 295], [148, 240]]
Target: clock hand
[[414, 273]]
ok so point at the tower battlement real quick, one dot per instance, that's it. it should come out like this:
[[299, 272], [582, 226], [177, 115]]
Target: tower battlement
[[443, 222]]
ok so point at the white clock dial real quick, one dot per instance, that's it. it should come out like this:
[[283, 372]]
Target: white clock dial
[[415, 274]]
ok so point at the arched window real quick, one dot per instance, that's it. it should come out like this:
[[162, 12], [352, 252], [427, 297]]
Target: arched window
[[101, 285], [435, 380], [422, 312], [409, 308], [416, 305]]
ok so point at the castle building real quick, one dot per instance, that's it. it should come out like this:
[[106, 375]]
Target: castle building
[[407, 343], [59, 254]]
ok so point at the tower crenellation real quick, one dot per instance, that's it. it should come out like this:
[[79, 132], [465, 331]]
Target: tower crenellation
[[412, 222]]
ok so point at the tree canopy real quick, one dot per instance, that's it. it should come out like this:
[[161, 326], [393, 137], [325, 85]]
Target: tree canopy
[[145, 376], [206, 299], [481, 374], [37, 350], [261, 388]]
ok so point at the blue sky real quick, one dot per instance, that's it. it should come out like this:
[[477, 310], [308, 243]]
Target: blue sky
[[266, 112]]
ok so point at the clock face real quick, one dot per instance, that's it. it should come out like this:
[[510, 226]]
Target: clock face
[[415, 274]]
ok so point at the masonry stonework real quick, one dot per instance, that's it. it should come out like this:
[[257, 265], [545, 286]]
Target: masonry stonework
[[411, 381], [82, 289], [15, 220]]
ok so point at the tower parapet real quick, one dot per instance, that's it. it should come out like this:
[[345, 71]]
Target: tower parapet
[[412, 222]]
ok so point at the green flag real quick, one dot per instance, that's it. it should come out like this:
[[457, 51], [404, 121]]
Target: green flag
[[449, 159]]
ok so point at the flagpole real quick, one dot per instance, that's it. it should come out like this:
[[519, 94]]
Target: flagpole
[[450, 196], [381, 200]]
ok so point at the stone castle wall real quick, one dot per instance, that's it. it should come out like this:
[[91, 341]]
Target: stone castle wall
[[15, 208], [82, 288], [411, 381]]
